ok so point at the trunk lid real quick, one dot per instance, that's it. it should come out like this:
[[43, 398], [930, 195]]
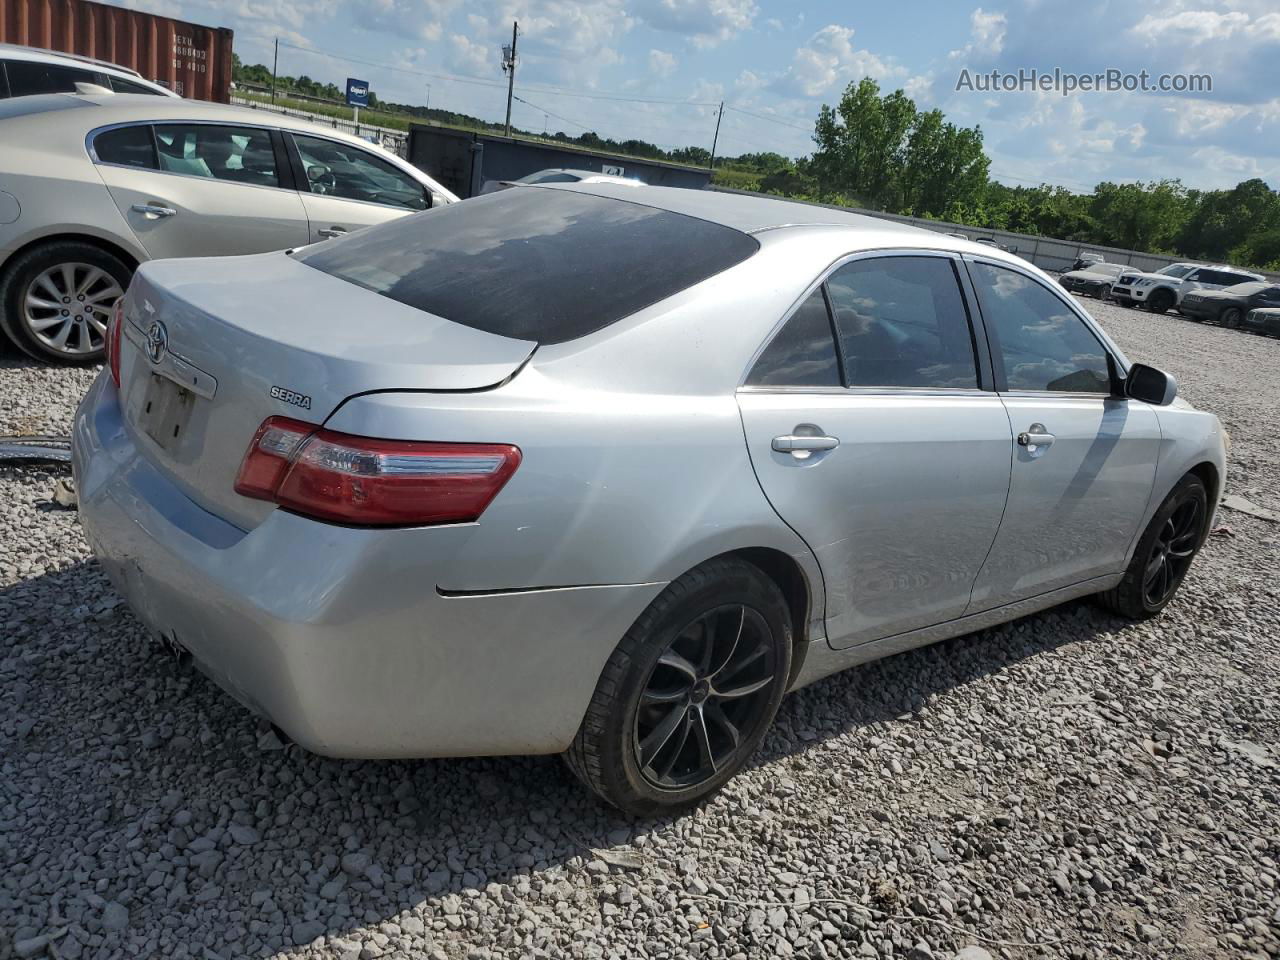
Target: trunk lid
[[253, 337]]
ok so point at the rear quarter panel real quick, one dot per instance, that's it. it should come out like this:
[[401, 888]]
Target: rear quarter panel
[[49, 172]]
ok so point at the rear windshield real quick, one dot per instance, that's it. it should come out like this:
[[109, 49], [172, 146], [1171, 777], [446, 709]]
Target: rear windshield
[[534, 263]]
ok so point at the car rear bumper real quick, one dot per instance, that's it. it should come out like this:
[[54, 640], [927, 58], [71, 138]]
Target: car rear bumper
[[338, 635]]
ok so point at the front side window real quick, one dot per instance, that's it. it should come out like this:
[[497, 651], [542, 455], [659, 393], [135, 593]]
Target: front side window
[[901, 322], [126, 146], [238, 154], [1038, 341], [339, 170], [803, 353]]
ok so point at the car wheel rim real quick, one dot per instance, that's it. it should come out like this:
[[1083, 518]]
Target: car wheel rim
[[1171, 553], [704, 696], [66, 308]]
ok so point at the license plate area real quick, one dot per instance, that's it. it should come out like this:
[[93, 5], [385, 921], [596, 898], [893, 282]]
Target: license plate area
[[165, 411]]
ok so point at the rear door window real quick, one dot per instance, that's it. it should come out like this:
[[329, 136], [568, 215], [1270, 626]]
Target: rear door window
[[238, 154], [536, 263], [902, 322]]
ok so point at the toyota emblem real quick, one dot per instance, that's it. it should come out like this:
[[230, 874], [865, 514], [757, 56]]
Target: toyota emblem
[[157, 341]]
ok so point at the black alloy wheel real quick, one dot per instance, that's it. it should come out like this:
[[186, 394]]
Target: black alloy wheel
[[1164, 553], [1171, 552], [689, 692], [707, 686], [1231, 317]]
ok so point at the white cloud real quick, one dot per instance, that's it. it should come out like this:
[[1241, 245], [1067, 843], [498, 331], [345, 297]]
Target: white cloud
[[987, 31], [829, 61], [705, 22], [661, 63]]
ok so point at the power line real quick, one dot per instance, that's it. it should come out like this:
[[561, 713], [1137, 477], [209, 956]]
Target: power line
[[762, 116], [530, 103]]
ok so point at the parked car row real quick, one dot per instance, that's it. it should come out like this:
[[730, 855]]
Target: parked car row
[[1222, 294], [93, 184]]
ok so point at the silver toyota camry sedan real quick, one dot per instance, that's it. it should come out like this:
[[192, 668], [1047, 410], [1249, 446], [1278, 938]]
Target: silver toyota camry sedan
[[605, 471]]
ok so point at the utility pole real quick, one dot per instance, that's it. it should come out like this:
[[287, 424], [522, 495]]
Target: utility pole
[[275, 62], [428, 98], [509, 67], [716, 139]]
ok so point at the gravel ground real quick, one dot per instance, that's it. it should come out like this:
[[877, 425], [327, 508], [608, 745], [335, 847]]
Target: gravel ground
[[1069, 785]]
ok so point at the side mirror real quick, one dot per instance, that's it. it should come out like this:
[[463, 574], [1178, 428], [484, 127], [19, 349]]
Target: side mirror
[[1150, 385], [317, 172]]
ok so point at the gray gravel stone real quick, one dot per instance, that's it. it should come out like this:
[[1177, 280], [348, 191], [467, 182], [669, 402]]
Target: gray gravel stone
[[953, 784]]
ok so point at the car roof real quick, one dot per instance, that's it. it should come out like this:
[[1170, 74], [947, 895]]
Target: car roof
[[13, 51], [109, 108], [756, 213]]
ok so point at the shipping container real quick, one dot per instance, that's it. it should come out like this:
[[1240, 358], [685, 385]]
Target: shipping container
[[192, 60], [467, 162]]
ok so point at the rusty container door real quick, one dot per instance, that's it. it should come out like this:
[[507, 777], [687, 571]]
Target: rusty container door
[[192, 60]]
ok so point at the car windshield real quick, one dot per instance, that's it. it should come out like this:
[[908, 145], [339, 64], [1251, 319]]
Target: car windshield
[[1175, 270], [541, 264]]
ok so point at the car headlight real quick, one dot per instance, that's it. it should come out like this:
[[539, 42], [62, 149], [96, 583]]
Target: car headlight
[[1144, 283]]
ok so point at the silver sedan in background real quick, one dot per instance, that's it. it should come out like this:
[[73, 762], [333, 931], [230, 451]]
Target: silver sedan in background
[[606, 470], [93, 184]]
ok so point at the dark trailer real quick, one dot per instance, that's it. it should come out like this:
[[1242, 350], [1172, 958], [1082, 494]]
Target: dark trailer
[[465, 162]]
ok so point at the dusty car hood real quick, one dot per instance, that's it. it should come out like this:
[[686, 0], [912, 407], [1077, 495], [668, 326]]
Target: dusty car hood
[[1089, 275]]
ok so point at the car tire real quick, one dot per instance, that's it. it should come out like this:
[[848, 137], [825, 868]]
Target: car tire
[[1231, 317], [1160, 301], [1125, 302], [660, 734], [1166, 550], [1105, 292], [93, 279]]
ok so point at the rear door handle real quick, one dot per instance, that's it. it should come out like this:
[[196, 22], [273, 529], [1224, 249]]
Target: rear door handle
[[801, 447], [153, 211], [330, 232], [1035, 437]]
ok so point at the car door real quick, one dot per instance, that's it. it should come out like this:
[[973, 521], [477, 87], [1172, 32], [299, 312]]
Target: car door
[[873, 437], [192, 189], [345, 188], [1084, 459]]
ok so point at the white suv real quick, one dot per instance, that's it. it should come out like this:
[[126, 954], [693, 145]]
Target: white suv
[[1165, 288], [27, 71]]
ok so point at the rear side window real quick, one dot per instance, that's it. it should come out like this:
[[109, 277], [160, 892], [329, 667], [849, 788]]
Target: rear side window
[[1040, 343], [902, 323], [127, 146], [534, 263], [803, 354], [28, 78], [119, 85]]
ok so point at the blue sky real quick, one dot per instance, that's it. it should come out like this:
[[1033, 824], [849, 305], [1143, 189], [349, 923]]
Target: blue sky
[[777, 62]]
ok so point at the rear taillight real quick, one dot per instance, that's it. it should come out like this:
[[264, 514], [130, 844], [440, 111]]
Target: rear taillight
[[112, 345], [369, 482]]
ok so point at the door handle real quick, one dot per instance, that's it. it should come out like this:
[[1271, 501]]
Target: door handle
[[153, 211], [803, 447], [329, 233], [1035, 437]]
